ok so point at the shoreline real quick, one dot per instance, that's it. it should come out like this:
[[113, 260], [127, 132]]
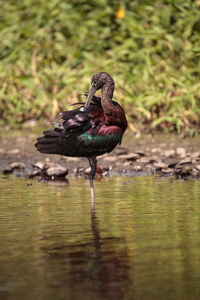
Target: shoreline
[[159, 154]]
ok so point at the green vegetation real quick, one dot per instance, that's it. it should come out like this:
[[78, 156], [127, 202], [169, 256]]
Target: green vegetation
[[50, 49]]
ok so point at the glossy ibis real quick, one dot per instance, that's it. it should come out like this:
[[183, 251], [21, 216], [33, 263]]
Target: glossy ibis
[[90, 130]]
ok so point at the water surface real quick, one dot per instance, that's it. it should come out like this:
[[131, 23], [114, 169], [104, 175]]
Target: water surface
[[141, 242]]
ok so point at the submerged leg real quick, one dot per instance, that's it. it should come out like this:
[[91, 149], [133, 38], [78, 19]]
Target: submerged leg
[[93, 166]]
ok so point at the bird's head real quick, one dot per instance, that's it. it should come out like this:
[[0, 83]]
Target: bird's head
[[97, 82]]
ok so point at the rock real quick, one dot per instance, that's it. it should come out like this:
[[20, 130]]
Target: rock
[[32, 172], [140, 152], [137, 168], [186, 171], [71, 159], [87, 171], [188, 168], [17, 165], [110, 158], [178, 167], [196, 155], [194, 161], [195, 172], [57, 171], [185, 161], [172, 164], [160, 165], [169, 153], [7, 171], [39, 165], [180, 151], [143, 160], [183, 171], [131, 156], [156, 150], [120, 151], [147, 160], [149, 167], [50, 164], [126, 164], [167, 171], [177, 171]]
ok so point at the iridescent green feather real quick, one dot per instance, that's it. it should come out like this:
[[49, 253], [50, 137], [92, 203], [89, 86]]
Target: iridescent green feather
[[105, 143]]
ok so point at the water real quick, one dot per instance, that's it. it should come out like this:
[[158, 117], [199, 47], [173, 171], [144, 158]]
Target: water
[[141, 242]]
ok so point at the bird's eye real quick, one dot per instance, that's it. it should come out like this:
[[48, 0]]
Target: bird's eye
[[94, 83]]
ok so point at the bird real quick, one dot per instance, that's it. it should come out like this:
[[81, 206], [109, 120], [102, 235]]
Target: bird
[[94, 128]]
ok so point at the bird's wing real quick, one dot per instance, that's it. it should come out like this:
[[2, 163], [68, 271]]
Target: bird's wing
[[82, 119]]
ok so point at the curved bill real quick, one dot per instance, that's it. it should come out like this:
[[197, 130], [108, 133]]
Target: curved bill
[[90, 95]]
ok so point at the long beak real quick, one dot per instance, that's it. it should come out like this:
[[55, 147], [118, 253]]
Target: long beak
[[90, 95]]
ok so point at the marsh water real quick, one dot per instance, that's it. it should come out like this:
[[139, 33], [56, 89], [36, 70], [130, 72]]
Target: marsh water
[[142, 241]]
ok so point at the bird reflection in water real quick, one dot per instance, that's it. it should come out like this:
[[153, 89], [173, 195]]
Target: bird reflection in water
[[111, 266], [100, 267]]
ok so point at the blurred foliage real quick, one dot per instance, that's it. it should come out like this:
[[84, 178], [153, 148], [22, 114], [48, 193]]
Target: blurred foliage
[[49, 51]]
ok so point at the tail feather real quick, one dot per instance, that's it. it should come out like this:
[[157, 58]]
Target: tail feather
[[53, 132], [49, 143]]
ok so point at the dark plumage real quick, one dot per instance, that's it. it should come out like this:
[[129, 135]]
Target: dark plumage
[[92, 129]]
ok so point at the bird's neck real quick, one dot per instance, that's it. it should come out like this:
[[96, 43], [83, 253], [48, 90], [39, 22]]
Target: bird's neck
[[106, 97], [114, 114]]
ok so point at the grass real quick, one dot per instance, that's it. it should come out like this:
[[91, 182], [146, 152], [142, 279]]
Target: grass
[[50, 50]]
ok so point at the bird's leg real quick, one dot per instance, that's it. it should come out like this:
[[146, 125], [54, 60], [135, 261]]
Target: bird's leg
[[93, 166]]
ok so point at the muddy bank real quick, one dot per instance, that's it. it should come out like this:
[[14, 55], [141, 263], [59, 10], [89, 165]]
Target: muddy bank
[[161, 155]]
